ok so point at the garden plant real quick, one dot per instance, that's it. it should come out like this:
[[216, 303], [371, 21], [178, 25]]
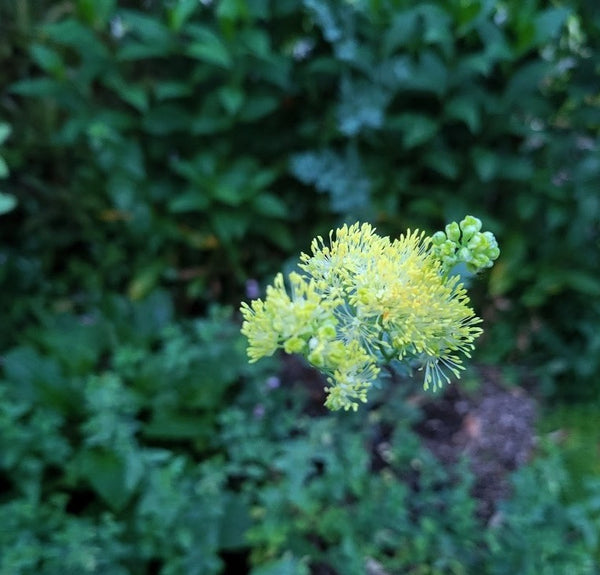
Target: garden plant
[[160, 158]]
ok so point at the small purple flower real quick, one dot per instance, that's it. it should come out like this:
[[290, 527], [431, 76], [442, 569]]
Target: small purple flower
[[273, 382], [252, 289], [259, 411]]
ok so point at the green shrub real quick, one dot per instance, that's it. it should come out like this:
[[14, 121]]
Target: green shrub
[[194, 145], [133, 444]]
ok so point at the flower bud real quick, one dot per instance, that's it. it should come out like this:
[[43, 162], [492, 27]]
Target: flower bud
[[470, 226], [294, 345], [453, 232], [438, 238]]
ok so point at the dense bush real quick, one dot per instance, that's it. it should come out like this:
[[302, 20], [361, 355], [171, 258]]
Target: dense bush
[[155, 156], [142, 446], [195, 144]]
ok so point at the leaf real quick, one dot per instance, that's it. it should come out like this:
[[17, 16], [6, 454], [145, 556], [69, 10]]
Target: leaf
[[342, 177], [46, 58], [485, 163], [231, 98], [416, 129], [430, 74], [464, 108], [5, 132], [233, 531], [270, 205], [232, 10], [548, 24], [257, 107], [193, 200], [362, 106], [133, 94], [180, 12], [443, 162], [209, 48], [401, 32], [44, 87], [105, 471]]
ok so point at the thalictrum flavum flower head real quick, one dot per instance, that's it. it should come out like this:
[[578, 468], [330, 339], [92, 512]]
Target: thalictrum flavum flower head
[[363, 300]]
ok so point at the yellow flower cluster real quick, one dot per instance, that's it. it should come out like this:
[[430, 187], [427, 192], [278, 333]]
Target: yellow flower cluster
[[361, 301]]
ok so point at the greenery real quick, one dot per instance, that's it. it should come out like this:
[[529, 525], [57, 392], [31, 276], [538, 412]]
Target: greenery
[[161, 160]]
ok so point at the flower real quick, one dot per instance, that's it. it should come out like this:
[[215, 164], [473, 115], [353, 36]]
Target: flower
[[364, 300]]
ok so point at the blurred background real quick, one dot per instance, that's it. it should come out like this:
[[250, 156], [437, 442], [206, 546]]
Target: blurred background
[[161, 160]]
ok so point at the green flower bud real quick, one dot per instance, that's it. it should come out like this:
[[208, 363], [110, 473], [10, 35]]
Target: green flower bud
[[453, 232], [464, 255], [477, 241], [438, 238], [493, 253], [294, 345], [327, 332], [470, 226], [315, 357]]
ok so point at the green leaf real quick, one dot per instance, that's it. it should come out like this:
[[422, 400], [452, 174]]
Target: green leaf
[[7, 203], [237, 513], [171, 90], [46, 58], [5, 132], [269, 205], [191, 201], [105, 471], [231, 98], [44, 87], [232, 10], [465, 109], [548, 24], [180, 13], [257, 107], [401, 31], [485, 163], [133, 94], [208, 47], [416, 128], [443, 162]]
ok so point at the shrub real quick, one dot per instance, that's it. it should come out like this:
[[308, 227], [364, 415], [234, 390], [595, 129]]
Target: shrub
[[194, 145]]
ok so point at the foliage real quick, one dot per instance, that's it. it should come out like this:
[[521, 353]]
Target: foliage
[[364, 300], [193, 145], [155, 156], [132, 444]]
